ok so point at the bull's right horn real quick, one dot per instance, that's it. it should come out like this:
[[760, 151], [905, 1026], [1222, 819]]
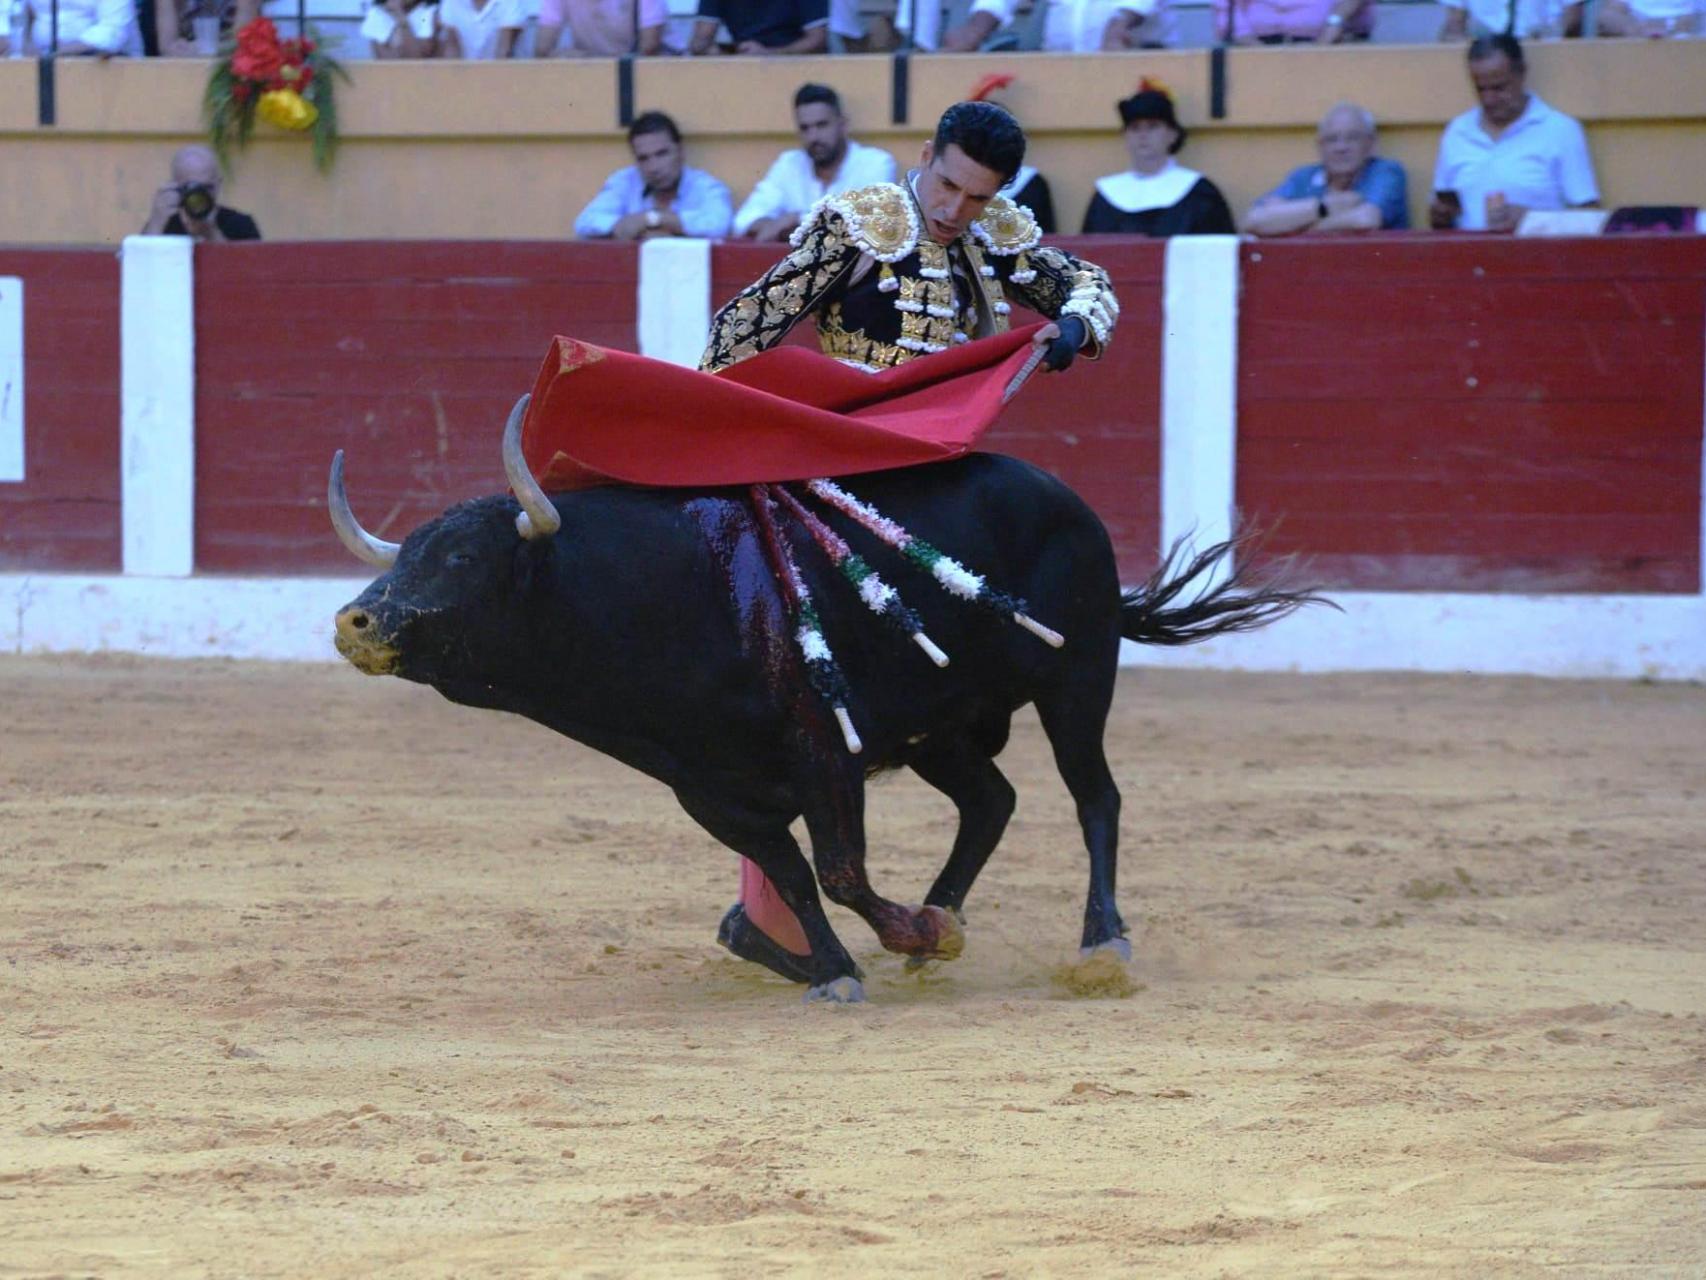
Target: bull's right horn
[[538, 518], [375, 551]]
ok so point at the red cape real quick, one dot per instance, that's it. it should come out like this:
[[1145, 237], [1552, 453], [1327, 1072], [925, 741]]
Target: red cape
[[600, 416]]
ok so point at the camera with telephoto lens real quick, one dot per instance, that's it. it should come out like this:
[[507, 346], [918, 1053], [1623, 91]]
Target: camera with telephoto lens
[[196, 199]]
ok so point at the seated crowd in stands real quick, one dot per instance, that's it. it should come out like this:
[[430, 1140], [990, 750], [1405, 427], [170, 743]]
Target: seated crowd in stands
[[604, 28], [1497, 161]]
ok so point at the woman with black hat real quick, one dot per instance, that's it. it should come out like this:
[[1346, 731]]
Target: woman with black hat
[[1157, 196]]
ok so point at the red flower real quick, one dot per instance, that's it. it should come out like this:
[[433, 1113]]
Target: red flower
[[258, 56], [240, 90]]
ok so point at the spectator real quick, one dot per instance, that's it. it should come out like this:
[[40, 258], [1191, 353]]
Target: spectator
[[763, 26], [95, 28], [972, 24], [657, 195], [1512, 154], [398, 29], [1352, 189], [1028, 187], [600, 28], [174, 22], [1526, 19], [1072, 25], [480, 30], [1293, 21], [1650, 19], [1157, 196], [189, 205], [827, 162]]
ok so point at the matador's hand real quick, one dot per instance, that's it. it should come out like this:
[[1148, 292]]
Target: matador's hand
[[1062, 340]]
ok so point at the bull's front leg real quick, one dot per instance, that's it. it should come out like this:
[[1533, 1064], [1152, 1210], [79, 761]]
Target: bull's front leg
[[835, 819]]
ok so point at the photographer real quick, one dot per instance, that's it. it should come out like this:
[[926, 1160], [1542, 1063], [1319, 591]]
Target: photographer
[[189, 205]]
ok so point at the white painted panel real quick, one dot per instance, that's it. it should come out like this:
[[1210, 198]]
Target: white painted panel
[[157, 404], [1199, 389], [11, 379], [675, 299]]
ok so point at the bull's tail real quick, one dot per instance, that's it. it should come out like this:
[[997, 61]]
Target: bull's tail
[[1150, 614]]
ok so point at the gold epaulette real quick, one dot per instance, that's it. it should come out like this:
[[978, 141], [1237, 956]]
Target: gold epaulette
[[879, 220], [1006, 228]]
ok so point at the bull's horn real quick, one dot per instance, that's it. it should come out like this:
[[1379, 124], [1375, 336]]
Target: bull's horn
[[375, 551], [538, 518]]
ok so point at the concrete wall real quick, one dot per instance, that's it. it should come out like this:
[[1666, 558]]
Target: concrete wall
[[481, 151]]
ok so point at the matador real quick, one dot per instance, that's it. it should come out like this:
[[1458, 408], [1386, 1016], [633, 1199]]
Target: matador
[[894, 272]]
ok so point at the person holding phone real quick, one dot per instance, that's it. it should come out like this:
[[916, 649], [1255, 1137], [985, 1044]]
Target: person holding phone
[[1511, 154]]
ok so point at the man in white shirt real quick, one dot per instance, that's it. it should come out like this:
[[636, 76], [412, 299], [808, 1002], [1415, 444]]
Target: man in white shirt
[[827, 162], [102, 28], [1070, 26], [1525, 19], [657, 195], [1511, 154]]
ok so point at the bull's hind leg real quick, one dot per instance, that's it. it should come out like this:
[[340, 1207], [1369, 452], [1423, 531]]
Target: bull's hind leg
[[764, 838], [1074, 717], [835, 817], [960, 770]]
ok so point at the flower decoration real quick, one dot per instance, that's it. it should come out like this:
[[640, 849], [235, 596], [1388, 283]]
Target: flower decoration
[[287, 83]]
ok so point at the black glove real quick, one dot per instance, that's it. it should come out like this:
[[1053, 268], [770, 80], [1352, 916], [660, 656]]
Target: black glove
[[1073, 332]]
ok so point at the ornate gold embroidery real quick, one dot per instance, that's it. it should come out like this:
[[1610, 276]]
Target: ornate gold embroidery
[[879, 220], [1006, 228], [574, 355], [855, 347]]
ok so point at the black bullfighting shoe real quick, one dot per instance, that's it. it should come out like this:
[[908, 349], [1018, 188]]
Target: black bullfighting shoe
[[747, 941]]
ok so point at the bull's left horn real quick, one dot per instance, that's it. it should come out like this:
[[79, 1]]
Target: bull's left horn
[[375, 551], [538, 518]]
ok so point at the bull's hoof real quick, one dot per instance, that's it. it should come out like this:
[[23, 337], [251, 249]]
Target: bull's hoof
[[950, 938], [1117, 947], [748, 942], [840, 991]]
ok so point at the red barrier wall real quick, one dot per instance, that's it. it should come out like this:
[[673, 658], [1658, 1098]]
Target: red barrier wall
[[1099, 427], [65, 517], [407, 356], [1476, 414]]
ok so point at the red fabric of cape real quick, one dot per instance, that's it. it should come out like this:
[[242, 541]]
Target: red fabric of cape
[[600, 416]]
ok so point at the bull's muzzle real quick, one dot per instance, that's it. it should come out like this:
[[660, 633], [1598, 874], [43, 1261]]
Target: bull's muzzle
[[357, 638]]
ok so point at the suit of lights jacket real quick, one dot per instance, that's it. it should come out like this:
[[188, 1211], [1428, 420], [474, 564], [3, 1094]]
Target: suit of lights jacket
[[884, 293]]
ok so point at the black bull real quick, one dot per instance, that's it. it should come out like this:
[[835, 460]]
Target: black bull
[[650, 627]]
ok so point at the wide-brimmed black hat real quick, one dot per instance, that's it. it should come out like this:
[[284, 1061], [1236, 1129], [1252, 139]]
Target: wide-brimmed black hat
[[1152, 102]]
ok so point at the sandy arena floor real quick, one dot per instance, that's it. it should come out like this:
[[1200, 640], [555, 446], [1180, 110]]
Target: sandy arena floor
[[314, 975]]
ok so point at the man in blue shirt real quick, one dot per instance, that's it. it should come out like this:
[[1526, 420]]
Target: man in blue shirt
[[762, 26], [657, 195], [1352, 189]]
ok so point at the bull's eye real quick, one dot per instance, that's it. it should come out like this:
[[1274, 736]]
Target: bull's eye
[[456, 559]]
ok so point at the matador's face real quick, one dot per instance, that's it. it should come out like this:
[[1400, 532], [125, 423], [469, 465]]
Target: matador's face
[[953, 191]]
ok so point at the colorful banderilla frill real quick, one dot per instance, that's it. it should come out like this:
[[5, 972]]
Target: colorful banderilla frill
[[882, 599], [821, 668], [950, 573]]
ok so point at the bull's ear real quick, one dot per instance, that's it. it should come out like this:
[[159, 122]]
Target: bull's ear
[[531, 559]]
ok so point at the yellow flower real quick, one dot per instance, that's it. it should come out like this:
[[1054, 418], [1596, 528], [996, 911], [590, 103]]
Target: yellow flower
[[286, 108]]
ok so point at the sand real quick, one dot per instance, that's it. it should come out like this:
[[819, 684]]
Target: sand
[[315, 975]]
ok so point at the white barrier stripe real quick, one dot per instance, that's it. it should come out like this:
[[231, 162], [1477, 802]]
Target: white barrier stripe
[[157, 405], [11, 379], [674, 299], [1703, 464], [1199, 388], [290, 620]]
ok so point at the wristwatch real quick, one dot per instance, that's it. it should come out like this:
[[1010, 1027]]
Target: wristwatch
[[653, 218]]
